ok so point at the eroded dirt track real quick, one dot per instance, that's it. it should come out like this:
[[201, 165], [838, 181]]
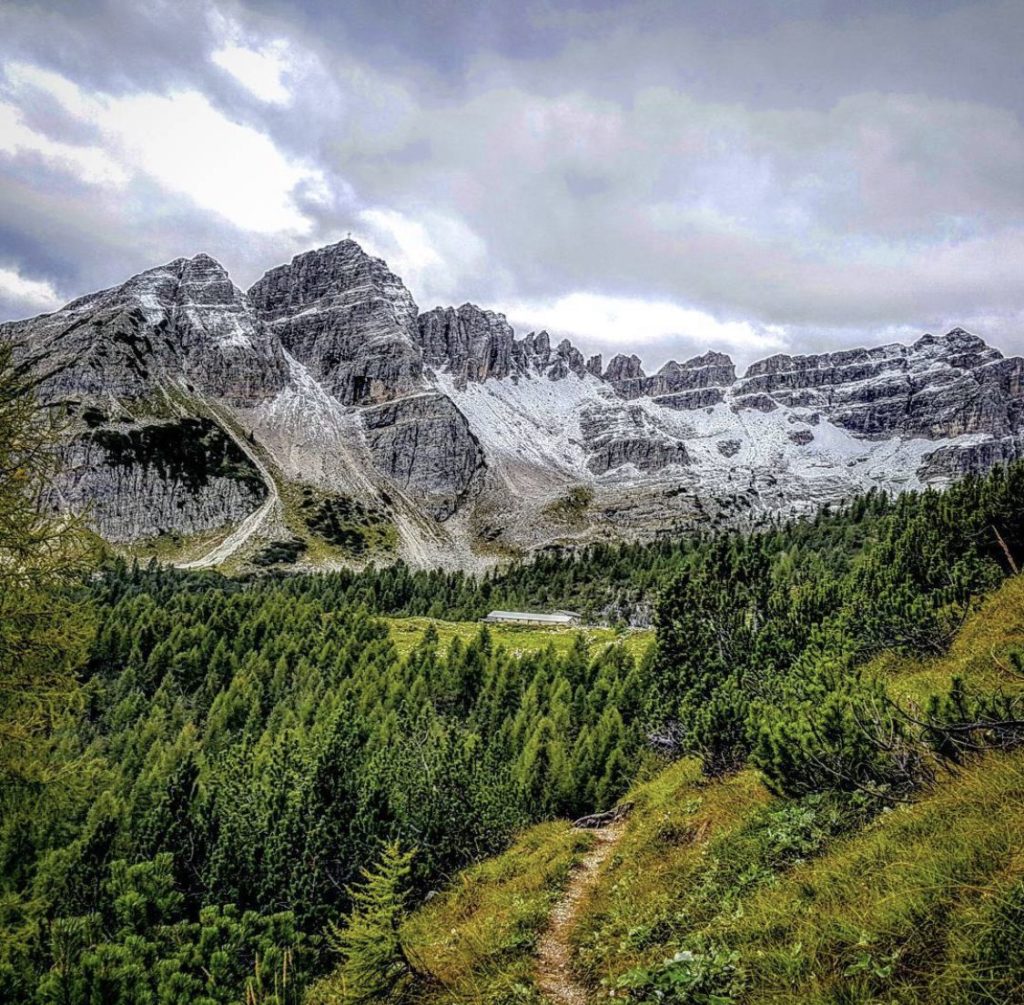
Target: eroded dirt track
[[555, 978]]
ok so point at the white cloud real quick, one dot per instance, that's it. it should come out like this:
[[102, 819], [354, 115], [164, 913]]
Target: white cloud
[[629, 321], [181, 141], [90, 164], [260, 71], [409, 237], [434, 254], [835, 201], [31, 294], [191, 148]]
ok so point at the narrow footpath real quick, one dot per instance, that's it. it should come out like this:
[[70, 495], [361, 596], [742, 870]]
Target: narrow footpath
[[555, 978]]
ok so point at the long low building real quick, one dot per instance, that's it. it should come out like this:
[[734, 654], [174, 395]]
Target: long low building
[[529, 618]]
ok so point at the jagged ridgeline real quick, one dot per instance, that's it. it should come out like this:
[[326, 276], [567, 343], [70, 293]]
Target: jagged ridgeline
[[247, 747], [446, 440]]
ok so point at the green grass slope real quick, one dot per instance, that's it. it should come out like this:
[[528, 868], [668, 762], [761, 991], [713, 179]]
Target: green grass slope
[[518, 639], [476, 939], [782, 901], [719, 891]]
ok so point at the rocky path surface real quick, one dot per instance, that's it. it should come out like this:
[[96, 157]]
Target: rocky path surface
[[238, 537], [254, 522], [555, 978]]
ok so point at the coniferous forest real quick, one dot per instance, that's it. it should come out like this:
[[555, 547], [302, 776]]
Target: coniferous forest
[[197, 771]]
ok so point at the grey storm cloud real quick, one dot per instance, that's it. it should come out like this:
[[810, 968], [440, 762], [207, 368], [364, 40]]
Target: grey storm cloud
[[648, 175]]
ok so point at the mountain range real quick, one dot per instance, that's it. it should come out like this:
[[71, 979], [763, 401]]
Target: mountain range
[[320, 417]]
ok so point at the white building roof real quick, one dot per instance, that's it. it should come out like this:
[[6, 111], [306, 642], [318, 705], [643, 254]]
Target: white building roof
[[553, 619]]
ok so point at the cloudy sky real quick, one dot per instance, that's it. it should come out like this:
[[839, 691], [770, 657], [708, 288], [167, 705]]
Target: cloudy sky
[[650, 176]]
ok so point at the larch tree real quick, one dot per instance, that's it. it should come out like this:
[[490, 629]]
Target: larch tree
[[376, 965], [43, 631]]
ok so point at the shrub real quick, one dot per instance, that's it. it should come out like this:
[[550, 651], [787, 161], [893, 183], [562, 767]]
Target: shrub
[[688, 978]]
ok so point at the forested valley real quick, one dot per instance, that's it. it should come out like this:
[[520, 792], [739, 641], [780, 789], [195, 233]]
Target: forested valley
[[197, 770]]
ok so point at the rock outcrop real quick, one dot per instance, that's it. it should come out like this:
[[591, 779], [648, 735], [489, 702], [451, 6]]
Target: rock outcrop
[[936, 388], [615, 438], [477, 345], [143, 480], [625, 374], [184, 323], [424, 444], [471, 343], [711, 370]]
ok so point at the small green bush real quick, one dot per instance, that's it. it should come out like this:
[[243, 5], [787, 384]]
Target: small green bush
[[713, 977]]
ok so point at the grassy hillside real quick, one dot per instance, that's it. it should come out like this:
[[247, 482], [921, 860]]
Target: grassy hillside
[[719, 891], [777, 903], [477, 939]]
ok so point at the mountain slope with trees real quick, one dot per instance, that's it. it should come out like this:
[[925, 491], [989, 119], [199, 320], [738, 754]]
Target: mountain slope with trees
[[201, 775], [721, 890]]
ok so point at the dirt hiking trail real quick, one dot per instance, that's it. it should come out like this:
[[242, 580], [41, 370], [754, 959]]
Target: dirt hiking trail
[[555, 979]]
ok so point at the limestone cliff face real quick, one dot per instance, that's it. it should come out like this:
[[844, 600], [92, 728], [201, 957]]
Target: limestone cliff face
[[617, 438], [131, 363], [142, 480], [471, 343], [348, 319], [710, 370], [177, 384], [937, 387], [476, 345], [625, 374], [423, 444]]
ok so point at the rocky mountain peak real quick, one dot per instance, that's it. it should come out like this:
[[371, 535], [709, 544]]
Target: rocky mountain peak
[[468, 341], [185, 319], [348, 318], [203, 280], [331, 276], [958, 347], [622, 367], [955, 338], [477, 345], [538, 344], [567, 359], [710, 358]]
